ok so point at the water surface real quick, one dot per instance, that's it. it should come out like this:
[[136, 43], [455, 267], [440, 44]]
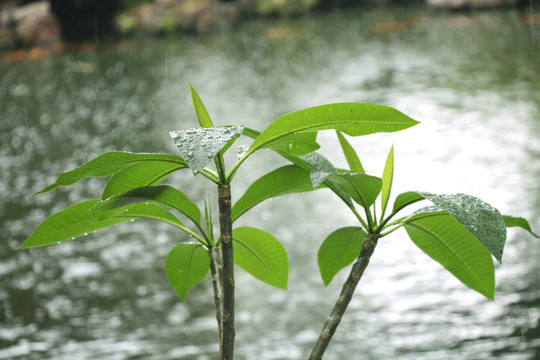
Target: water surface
[[472, 80]]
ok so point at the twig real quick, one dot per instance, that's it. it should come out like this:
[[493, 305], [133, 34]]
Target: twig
[[345, 297]]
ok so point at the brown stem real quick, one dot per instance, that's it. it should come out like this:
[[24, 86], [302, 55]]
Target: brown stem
[[345, 297], [215, 269], [225, 222]]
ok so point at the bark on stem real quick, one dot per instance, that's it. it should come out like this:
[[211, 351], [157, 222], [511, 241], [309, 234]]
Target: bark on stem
[[345, 297], [225, 222], [215, 269]]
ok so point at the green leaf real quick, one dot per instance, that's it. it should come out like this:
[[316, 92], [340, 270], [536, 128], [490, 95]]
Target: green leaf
[[338, 250], [108, 164], [387, 178], [78, 220], [363, 189], [446, 241], [285, 180], [319, 168], [186, 265], [163, 194], [354, 119], [512, 221], [202, 114], [296, 143], [309, 162], [352, 158], [481, 219], [261, 255], [66, 224], [406, 199], [140, 174], [199, 146]]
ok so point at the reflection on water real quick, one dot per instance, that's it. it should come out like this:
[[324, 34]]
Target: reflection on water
[[472, 81]]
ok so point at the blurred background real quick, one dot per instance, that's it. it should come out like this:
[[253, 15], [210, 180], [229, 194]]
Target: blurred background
[[96, 76]]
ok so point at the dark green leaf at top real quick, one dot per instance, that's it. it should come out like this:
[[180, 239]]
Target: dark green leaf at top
[[199, 146], [108, 164]]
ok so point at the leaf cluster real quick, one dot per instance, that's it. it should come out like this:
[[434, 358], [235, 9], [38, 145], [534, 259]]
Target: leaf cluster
[[459, 231]]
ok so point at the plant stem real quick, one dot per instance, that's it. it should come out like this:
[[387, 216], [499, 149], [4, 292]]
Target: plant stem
[[225, 222], [345, 297], [215, 269]]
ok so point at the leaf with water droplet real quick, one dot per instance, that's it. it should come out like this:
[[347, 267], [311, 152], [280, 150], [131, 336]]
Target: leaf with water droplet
[[354, 119], [199, 146], [445, 240], [481, 219], [108, 164]]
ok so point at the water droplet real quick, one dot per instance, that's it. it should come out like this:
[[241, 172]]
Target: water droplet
[[241, 151]]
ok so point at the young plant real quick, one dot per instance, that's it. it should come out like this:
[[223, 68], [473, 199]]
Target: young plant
[[135, 190], [459, 231]]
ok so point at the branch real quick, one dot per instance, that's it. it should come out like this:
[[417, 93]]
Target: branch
[[225, 222], [345, 297]]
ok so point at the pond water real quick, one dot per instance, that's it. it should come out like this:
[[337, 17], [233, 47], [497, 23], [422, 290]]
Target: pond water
[[473, 80]]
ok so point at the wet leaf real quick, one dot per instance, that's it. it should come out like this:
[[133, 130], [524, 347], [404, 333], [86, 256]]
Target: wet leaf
[[446, 241], [289, 179], [186, 265], [198, 147], [481, 219], [512, 221], [262, 255], [140, 174], [108, 164], [339, 250], [78, 220], [354, 119], [163, 195]]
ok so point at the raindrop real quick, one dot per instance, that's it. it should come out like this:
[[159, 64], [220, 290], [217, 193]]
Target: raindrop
[[241, 151]]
